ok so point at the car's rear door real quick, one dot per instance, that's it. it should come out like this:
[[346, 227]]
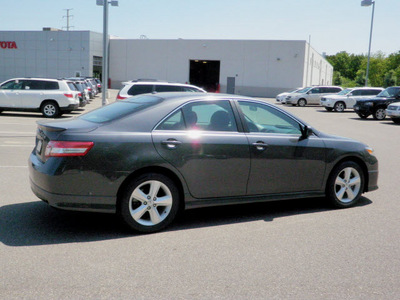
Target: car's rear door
[[202, 141], [281, 161]]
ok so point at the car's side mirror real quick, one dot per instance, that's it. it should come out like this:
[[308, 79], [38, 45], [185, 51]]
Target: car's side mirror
[[306, 131]]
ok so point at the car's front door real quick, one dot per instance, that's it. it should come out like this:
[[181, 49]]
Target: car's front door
[[281, 160], [202, 142]]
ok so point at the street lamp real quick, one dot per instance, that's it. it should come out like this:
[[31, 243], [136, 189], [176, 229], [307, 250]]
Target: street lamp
[[368, 3], [105, 3]]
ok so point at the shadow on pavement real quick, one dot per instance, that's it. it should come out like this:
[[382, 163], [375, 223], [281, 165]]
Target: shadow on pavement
[[36, 223]]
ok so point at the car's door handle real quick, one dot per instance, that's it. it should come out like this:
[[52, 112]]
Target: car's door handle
[[171, 143], [260, 146]]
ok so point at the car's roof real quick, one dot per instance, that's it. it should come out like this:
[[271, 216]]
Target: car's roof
[[156, 82]]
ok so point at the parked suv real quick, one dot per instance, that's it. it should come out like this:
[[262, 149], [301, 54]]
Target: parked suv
[[311, 95], [377, 106], [133, 88], [52, 97], [348, 97]]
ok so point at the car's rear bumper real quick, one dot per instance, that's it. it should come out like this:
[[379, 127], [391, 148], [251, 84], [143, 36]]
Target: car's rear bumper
[[47, 187], [70, 107]]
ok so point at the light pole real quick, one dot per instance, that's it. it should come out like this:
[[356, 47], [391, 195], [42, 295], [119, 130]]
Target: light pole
[[368, 3], [105, 3]]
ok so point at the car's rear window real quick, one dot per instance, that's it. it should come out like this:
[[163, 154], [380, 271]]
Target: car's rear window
[[121, 109]]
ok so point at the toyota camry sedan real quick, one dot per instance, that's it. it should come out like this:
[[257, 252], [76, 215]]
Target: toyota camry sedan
[[149, 157]]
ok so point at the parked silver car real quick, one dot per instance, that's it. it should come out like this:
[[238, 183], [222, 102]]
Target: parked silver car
[[348, 97], [311, 95], [282, 96], [393, 112]]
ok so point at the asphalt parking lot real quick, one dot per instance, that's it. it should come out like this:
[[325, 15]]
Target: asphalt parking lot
[[285, 250]]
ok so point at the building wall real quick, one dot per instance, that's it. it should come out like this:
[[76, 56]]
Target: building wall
[[49, 53], [261, 68]]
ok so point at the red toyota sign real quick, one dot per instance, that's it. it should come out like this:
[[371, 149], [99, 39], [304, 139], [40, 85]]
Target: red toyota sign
[[8, 45]]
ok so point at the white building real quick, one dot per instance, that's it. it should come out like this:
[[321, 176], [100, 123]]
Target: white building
[[248, 67]]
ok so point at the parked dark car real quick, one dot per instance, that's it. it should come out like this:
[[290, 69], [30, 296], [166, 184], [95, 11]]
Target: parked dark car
[[149, 156], [376, 106]]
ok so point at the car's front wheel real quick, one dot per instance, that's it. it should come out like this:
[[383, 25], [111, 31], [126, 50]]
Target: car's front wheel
[[345, 184], [302, 102], [50, 109], [150, 203], [362, 116], [379, 114], [339, 107]]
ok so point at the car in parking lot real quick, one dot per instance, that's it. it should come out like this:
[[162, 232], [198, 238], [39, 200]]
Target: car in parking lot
[[393, 112], [281, 98], [348, 97], [311, 95], [137, 87], [150, 156], [376, 106], [52, 97]]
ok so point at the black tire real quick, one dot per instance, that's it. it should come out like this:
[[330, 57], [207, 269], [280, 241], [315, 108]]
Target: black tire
[[345, 185], [302, 102], [362, 116], [328, 108], [379, 114], [151, 215], [339, 106], [50, 109], [396, 120]]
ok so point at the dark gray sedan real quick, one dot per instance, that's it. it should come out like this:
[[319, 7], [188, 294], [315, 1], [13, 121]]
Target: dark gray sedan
[[150, 156]]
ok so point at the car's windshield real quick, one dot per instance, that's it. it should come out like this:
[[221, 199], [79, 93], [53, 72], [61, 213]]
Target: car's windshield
[[389, 92], [120, 109], [305, 90], [344, 92]]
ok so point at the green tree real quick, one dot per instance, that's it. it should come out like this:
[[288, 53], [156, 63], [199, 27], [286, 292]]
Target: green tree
[[390, 79]]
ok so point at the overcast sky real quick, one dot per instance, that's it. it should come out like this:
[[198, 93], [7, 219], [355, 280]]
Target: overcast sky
[[333, 25]]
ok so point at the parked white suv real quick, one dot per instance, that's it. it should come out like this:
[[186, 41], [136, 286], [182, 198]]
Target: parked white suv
[[133, 88], [348, 97], [52, 97], [311, 95]]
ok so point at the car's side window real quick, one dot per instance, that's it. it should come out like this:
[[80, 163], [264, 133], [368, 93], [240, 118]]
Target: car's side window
[[173, 122], [138, 89], [357, 92], [12, 85], [315, 91], [209, 116], [263, 118], [167, 88]]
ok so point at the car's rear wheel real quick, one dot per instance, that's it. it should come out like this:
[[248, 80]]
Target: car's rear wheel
[[345, 184], [150, 203], [339, 107], [302, 102], [328, 108], [379, 114], [50, 109]]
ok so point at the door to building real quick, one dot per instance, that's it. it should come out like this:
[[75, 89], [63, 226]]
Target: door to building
[[205, 74]]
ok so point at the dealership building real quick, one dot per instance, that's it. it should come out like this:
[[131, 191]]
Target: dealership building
[[249, 67]]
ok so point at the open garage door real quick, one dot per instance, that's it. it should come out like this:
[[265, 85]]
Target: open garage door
[[205, 74]]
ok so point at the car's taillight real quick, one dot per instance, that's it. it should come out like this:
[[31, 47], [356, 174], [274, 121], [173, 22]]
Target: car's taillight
[[69, 95], [79, 94], [119, 97], [63, 148], [89, 89]]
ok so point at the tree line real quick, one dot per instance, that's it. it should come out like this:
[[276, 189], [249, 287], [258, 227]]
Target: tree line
[[349, 70]]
